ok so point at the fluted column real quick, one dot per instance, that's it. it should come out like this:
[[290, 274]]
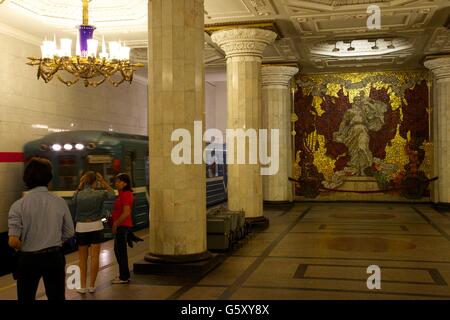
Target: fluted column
[[441, 122], [276, 114], [176, 100], [243, 49]]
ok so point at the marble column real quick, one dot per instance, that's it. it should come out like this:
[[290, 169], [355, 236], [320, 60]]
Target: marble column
[[276, 114], [243, 49], [440, 67], [176, 99]]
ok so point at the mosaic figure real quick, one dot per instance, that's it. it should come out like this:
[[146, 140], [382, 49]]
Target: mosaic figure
[[365, 115]]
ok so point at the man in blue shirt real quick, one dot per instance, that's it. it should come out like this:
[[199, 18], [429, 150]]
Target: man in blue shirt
[[39, 223]]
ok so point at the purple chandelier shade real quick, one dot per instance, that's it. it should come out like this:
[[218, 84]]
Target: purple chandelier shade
[[86, 33]]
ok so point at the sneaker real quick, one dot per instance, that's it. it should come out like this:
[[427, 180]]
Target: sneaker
[[91, 289], [82, 290], [119, 281]]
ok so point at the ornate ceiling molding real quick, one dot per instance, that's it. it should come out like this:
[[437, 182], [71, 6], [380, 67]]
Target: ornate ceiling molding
[[104, 14], [325, 24], [439, 42], [19, 35], [238, 9], [265, 25]]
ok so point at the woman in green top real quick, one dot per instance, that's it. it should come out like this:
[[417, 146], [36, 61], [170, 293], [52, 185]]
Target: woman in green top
[[88, 209]]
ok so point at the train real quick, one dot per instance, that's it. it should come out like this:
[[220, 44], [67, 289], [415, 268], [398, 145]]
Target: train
[[74, 152]]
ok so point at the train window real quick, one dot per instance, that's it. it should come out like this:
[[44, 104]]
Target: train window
[[103, 165], [67, 172]]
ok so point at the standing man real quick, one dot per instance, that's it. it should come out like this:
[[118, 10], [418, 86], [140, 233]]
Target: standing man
[[38, 224]]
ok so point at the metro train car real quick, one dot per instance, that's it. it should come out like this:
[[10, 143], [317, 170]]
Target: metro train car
[[74, 152]]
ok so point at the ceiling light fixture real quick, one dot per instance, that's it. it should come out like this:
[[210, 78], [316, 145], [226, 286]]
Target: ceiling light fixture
[[351, 48], [85, 64], [391, 46], [336, 49], [375, 47]]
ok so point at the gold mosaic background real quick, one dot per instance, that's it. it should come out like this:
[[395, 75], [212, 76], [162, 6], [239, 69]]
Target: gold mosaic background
[[321, 100]]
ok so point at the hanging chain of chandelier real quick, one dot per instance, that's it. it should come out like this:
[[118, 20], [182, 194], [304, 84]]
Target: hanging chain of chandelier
[[92, 68]]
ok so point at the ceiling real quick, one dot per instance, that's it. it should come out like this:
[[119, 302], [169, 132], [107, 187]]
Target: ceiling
[[308, 30]]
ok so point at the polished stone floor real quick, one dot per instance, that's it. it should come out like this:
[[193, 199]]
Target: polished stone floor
[[310, 251]]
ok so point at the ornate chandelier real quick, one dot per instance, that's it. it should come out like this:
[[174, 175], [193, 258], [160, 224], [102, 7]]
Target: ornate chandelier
[[114, 66]]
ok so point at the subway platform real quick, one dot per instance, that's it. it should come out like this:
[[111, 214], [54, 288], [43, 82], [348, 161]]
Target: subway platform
[[309, 251]]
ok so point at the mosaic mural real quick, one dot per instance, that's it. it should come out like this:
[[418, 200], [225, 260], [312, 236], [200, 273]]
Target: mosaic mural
[[373, 125]]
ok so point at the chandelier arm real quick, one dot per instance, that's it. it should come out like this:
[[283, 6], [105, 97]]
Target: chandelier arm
[[94, 84], [67, 82], [44, 73], [70, 66], [115, 83], [33, 61], [110, 70], [101, 70], [125, 76], [119, 66], [39, 72]]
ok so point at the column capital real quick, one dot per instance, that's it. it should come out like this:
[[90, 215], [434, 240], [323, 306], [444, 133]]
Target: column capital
[[243, 41], [440, 66], [277, 75]]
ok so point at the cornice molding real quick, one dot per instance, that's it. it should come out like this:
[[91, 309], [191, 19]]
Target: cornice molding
[[19, 35], [266, 25]]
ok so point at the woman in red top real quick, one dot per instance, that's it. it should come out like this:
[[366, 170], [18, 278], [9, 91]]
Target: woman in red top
[[122, 221]]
